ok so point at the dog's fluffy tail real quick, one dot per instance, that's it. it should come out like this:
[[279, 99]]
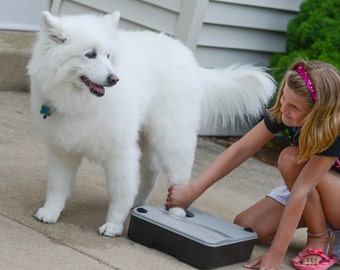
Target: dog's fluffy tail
[[237, 93]]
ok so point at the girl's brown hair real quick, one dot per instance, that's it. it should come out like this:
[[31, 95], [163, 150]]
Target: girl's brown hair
[[321, 127]]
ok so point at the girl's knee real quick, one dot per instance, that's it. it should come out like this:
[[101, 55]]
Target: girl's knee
[[287, 163], [240, 220], [263, 234], [288, 155], [247, 220]]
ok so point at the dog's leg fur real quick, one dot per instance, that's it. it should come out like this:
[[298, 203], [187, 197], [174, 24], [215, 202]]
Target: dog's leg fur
[[150, 169], [123, 180], [62, 170], [167, 147]]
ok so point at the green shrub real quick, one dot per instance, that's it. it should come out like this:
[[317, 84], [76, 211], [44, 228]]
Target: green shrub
[[314, 34]]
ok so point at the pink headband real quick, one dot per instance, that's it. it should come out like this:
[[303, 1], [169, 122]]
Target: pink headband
[[303, 74]]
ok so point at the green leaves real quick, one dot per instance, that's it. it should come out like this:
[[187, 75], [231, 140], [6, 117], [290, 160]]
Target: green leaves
[[313, 35]]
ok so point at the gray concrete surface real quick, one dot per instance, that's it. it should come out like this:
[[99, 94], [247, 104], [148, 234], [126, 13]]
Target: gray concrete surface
[[15, 48], [74, 243]]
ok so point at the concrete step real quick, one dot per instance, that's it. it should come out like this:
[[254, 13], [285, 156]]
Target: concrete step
[[15, 51]]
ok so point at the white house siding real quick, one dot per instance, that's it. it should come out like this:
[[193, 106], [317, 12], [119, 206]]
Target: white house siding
[[21, 14], [135, 14], [244, 31], [219, 32]]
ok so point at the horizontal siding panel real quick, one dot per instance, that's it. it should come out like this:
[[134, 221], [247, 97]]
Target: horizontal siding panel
[[216, 57], [140, 14], [247, 16], [241, 38], [289, 5], [173, 5], [71, 8]]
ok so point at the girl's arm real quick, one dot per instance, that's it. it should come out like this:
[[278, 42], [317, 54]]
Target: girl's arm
[[183, 195], [307, 180]]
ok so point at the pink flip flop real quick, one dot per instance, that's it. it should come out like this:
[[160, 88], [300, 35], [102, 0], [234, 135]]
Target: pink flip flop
[[324, 264]]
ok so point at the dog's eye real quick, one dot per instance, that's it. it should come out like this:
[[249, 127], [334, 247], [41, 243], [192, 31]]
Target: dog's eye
[[91, 54], [108, 56]]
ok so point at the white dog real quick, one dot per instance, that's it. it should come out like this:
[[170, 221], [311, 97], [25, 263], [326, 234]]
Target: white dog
[[144, 125]]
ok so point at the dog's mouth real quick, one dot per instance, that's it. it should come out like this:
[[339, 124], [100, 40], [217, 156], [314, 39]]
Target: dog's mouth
[[97, 90]]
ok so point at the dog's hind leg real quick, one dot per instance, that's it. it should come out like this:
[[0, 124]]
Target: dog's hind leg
[[150, 170], [62, 169]]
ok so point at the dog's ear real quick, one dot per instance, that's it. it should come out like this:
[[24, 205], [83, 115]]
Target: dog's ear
[[112, 18], [48, 20], [51, 26]]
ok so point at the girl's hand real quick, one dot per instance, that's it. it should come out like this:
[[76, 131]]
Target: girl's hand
[[180, 196], [268, 261]]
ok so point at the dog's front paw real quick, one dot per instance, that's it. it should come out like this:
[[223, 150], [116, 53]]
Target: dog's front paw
[[177, 211], [111, 229], [46, 215]]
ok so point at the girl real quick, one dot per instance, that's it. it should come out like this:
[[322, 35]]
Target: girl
[[308, 108]]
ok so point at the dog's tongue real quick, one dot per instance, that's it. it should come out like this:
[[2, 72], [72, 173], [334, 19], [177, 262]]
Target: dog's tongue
[[95, 89]]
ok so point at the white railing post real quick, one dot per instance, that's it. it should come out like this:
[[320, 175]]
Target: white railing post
[[190, 22]]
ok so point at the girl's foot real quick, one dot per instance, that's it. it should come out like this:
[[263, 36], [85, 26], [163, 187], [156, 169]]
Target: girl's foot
[[318, 249]]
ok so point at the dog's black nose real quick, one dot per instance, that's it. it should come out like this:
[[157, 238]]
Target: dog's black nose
[[112, 79]]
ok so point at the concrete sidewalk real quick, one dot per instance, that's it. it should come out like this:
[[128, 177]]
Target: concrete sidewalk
[[74, 243]]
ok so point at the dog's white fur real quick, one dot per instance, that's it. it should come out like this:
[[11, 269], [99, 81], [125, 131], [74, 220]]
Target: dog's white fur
[[144, 125]]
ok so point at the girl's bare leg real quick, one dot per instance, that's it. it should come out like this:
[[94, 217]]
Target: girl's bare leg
[[314, 213], [263, 217]]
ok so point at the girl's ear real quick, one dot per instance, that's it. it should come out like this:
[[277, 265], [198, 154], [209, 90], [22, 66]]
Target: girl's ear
[[112, 19], [50, 24]]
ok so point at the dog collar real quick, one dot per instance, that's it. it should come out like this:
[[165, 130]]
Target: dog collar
[[46, 111]]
